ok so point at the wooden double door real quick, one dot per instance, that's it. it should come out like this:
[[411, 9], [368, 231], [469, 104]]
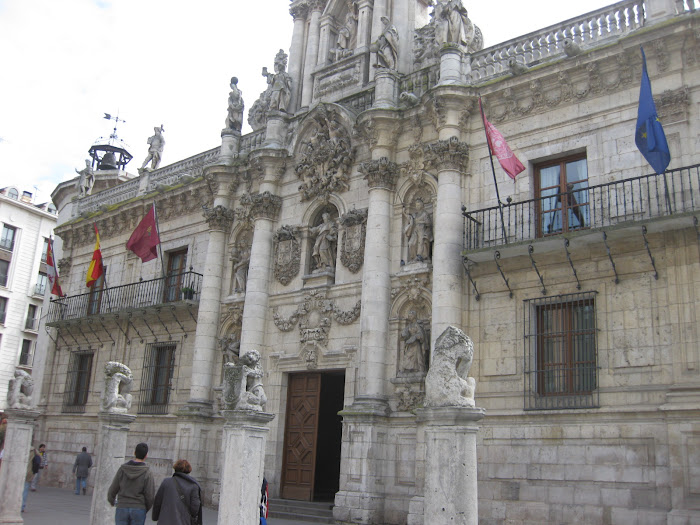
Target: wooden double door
[[313, 436]]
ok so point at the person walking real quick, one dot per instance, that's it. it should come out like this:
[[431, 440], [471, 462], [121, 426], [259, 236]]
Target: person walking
[[81, 469], [179, 498], [35, 479], [133, 489], [32, 469]]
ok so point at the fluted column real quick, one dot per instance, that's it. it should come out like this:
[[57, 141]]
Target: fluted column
[[296, 52], [219, 218], [312, 51]]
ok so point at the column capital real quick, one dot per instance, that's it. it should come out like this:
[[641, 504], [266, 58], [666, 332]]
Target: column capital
[[317, 5], [380, 173], [263, 205], [218, 218], [450, 108], [380, 128], [268, 165], [223, 179], [299, 11], [448, 154]]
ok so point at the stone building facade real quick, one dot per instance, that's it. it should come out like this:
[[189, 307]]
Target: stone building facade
[[360, 219]]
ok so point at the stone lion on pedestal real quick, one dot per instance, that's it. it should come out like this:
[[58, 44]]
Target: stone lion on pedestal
[[117, 394], [19, 391], [447, 383]]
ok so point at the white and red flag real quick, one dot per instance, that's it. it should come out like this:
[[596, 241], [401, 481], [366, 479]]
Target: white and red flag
[[499, 147]]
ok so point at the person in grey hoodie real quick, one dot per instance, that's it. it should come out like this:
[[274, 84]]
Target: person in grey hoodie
[[133, 488], [81, 469]]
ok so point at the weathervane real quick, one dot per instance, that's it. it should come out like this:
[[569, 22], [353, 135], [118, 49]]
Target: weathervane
[[116, 120]]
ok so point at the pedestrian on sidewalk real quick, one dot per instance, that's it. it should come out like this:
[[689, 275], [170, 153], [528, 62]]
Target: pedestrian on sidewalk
[[81, 469], [32, 470], [35, 479], [179, 498], [133, 488]]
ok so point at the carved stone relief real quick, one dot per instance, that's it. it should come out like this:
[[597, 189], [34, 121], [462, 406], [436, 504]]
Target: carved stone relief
[[219, 217], [324, 234], [263, 205], [287, 253], [447, 154], [410, 396], [418, 227], [352, 246], [325, 159], [240, 259], [117, 393], [380, 173], [414, 338], [672, 106]]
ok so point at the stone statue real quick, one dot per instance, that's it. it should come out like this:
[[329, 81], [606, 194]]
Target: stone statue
[[230, 346], [453, 24], [346, 34], [447, 383], [87, 179], [279, 84], [418, 232], [156, 143], [387, 46], [234, 119], [20, 390], [243, 388], [324, 250], [415, 342], [241, 262], [117, 393]]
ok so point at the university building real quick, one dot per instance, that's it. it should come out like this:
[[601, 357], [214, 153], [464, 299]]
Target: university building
[[361, 218]]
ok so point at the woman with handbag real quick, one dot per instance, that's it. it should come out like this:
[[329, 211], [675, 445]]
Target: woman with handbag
[[179, 498]]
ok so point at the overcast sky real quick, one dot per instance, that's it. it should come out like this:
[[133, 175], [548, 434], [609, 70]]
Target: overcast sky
[[67, 62]]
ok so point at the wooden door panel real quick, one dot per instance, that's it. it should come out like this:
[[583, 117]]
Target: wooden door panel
[[300, 436]]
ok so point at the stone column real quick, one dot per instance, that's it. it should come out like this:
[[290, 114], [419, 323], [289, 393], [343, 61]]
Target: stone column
[[450, 64], [311, 57], [111, 453], [18, 443], [450, 494], [296, 52], [243, 461]]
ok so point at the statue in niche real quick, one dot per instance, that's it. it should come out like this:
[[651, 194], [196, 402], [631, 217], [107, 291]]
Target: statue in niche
[[230, 347], [387, 46], [234, 119], [447, 382], [87, 179], [279, 84], [241, 263], [346, 34], [418, 232], [325, 244], [415, 342], [156, 144], [117, 394], [20, 390], [243, 388]]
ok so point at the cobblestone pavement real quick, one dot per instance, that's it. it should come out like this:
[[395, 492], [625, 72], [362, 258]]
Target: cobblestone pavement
[[52, 506]]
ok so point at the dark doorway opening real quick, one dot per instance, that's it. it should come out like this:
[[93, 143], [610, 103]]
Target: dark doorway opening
[[330, 430]]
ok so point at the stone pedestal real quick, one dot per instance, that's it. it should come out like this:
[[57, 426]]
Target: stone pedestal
[[450, 65], [111, 447], [243, 448], [18, 442], [276, 131], [230, 140], [450, 487], [386, 88]]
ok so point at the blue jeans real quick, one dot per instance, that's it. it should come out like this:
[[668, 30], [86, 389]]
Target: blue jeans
[[78, 483], [130, 516], [24, 494]]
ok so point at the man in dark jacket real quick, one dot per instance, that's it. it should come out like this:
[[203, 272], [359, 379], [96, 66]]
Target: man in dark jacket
[[179, 499], [133, 487], [32, 469], [81, 469]]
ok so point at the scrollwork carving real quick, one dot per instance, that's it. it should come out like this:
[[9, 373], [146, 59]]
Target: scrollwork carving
[[287, 253]]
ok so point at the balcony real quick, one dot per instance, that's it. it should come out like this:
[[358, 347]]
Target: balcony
[[657, 202], [143, 295], [40, 289]]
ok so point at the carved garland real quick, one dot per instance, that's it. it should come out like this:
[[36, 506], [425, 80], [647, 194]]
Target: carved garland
[[352, 247], [287, 254]]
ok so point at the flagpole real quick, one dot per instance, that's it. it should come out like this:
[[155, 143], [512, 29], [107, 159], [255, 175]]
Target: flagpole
[[493, 172], [160, 250]]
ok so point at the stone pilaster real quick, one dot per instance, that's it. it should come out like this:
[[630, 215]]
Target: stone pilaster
[[311, 57], [450, 159], [18, 443], [450, 486], [111, 453], [242, 463], [299, 12], [364, 23]]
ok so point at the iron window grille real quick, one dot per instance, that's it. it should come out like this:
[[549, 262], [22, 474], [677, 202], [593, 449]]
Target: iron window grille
[[158, 368], [561, 370], [78, 381]]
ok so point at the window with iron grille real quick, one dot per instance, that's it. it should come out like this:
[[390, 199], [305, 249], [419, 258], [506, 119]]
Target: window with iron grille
[[78, 381], [156, 382], [7, 241], [562, 195], [561, 352]]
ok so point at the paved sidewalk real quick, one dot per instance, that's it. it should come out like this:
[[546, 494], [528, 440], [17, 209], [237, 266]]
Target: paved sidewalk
[[51, 506]]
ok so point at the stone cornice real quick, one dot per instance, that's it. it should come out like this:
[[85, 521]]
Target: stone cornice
[[447, 155], [380, 173]]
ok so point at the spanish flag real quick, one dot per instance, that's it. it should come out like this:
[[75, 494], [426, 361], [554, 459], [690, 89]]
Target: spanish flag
[[95, 270]]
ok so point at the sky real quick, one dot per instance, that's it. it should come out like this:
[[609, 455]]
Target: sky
[[65, 63]]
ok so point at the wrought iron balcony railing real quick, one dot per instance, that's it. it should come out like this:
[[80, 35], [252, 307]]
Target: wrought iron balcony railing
[[184, 286], [585, 207]]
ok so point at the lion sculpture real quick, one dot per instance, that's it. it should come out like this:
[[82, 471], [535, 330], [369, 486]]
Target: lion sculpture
[[447, 383], [117, 394], [243, 388], [20, 389]]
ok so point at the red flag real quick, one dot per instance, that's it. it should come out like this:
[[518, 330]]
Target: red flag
[[145, 238], [96, 269], [52, 271], [509, 162]]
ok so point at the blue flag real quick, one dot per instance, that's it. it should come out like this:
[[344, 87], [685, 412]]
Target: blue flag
[[650, 137]]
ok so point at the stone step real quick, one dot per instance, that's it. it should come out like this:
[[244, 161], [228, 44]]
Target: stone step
[[310, 511]]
